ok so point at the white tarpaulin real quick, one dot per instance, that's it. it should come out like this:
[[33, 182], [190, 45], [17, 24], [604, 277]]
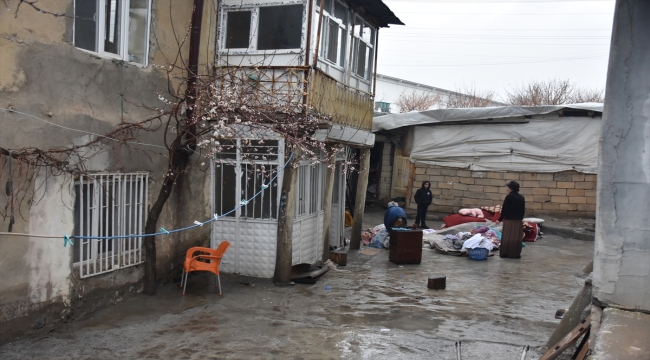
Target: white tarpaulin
[[394, 121], [546, 144]]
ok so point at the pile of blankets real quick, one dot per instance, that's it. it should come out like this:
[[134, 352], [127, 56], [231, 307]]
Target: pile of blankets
[[457, 239], [480, 236]]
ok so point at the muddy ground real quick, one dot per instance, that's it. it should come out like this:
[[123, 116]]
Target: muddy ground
[[372, 309]]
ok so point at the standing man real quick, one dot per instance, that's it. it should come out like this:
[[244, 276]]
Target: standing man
[[423, 198]]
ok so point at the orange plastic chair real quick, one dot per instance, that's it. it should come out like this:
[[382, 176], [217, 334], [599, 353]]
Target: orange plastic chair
[[207, 260]]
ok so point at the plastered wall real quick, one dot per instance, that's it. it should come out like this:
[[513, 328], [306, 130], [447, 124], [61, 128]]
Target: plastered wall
[[45, 77]]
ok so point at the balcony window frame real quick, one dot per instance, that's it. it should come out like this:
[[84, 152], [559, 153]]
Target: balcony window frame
[[100, 30], [329, 16], [254, 25], [370, 46]]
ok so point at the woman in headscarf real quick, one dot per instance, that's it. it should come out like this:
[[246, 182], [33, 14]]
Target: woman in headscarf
[[512, 214], [394, 216]]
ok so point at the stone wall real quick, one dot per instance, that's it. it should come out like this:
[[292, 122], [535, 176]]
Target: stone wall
[[561, 194]]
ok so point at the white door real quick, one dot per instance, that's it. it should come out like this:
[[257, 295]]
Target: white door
[[247, 209]]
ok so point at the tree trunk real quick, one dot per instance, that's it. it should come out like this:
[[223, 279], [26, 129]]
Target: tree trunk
[[150, 241], [181, 150], [327, 213], [286, 210], [360, 199]]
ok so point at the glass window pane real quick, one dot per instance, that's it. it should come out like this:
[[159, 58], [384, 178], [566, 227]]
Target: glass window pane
[[332, 41], [369, 61], [225, 194], [280, 27], [327, 6], [367, 34], [138, 30], [343, 47], [314, 189], [259, 150], [112, 31], [238, 29], [225, 151], [336, 190], [323, 40], [361, 59], [340, 12], [85, 24]]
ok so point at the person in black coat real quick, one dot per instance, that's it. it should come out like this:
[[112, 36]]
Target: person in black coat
[[423, 198], [512, 214]]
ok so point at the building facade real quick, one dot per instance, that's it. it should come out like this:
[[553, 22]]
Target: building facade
[[75, 70]]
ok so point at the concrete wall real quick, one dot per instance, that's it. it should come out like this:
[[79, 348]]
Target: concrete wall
[[622, 247], [44, 75], [385, 182], [560, 194]]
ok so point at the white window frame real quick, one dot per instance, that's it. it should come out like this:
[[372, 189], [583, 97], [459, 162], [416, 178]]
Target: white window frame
[[252, 41], [128, 208], [343, 27], [100, 20], [310, 189], [370, 46]]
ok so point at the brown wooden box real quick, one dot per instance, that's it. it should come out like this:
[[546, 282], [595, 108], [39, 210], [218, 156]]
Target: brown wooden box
[[405, 247]]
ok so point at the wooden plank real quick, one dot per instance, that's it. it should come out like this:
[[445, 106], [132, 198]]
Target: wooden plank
[[568, 339], [583, 348]]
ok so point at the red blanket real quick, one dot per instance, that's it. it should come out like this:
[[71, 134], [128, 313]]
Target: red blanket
[[457, 219]]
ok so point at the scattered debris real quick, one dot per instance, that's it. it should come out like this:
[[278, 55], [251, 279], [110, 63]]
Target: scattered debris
[[437, 282]]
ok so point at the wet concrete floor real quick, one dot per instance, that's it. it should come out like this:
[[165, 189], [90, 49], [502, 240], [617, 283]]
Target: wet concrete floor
[[372, 309]]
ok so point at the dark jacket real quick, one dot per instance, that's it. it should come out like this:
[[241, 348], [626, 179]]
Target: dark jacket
[[392, 214], [424, 196], [514, 207]]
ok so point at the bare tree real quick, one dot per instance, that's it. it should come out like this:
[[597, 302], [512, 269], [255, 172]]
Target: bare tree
[[552, 92], [199, 114], [469, 96], [417, 101], [584, 95]]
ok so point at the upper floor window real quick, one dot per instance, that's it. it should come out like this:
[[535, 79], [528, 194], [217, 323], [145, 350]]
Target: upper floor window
[[335, 31], [264, 28], [113, 28], [363, 49]]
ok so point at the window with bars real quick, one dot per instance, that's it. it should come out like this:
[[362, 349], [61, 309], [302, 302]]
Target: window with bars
[[335, 32], [115, 28], [311, 182], [241, 167], [109, 205]]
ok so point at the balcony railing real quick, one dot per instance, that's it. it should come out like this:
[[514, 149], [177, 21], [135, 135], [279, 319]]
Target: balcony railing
[[343, 104]]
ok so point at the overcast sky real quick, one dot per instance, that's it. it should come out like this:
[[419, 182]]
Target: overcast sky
[[497, 44]]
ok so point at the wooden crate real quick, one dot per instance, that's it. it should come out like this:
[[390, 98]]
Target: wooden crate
[[405, 247]]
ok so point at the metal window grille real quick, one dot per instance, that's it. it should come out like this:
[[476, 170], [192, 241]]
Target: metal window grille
[[110, 205], [246, 164]]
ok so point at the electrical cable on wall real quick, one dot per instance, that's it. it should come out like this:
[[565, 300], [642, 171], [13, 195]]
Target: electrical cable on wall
[[68, 239]]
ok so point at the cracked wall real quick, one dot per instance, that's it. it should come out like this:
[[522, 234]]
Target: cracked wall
[[45, 76], [622, 247]]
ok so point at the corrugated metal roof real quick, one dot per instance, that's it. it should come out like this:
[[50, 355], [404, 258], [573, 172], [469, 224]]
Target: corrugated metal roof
[[378, 11], [429, 117]]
